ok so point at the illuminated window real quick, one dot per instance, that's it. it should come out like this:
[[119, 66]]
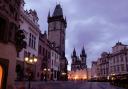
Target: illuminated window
[[1, 72]]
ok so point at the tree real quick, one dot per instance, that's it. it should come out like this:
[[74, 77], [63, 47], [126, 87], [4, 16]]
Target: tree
[[20, 43]]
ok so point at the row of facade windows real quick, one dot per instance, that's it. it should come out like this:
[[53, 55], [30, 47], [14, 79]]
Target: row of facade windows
[[28, 54], [117, 59], [32, 41], [103, 71], [104, 60], [7, 30], [117, 68], [55, 54], [54, 62], [44, 52]]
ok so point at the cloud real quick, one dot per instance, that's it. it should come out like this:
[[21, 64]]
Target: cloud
[[96, 24]]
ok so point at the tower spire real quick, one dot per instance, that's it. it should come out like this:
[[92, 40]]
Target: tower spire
[[58, 11], [83, 52], [74, 52], [49, 13], [65, 19]]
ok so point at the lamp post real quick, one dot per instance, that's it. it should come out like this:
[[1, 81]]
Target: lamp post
[[63, 74], [46, 70], [30, 60]]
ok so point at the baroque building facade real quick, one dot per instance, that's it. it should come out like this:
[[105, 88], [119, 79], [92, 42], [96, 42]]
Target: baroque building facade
[[55, 63], [44, 57], [49, 59], [118, 63], [29, 25], [114, 65], [9, 25], [94, 70], [103, 66]]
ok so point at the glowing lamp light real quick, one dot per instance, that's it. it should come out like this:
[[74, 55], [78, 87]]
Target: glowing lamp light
[[26, 59], [63, 73], [31, 61], [48, 69], [108, 77], [76, 77], [45, 69], [114, 74], [35, 59], [84, 77], [112, 78]]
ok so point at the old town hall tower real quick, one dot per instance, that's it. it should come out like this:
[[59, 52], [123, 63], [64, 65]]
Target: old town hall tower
[[56, 34], [56, 28]]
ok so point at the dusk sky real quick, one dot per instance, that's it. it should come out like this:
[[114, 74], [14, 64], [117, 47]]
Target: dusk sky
[[95, 24]]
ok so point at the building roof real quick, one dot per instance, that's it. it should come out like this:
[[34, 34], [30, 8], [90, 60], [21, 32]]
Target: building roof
[[58, 11]]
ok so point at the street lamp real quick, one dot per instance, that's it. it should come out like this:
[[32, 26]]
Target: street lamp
[[46, 73], [30, 60], [63, 74]]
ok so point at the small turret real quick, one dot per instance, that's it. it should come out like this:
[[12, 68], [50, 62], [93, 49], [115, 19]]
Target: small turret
[[22, 5], [74, 53], [45, 34]]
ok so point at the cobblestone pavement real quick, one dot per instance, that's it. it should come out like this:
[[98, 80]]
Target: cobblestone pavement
[[70, 85]]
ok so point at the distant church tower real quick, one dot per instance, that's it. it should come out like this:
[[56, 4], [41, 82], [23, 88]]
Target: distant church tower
[[83, 57], [56, 28], [74, 59], [79, 63]]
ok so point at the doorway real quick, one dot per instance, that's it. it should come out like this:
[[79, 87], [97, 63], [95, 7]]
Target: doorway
[[1, 75], [3, 72]]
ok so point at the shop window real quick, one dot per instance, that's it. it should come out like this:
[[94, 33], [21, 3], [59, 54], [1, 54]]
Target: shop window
[[1, 74]]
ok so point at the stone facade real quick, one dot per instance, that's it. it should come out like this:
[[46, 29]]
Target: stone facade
[[94, 70], [56, 34], [55, 63], [113, 65], [9, 16], [49, 59], [118, 63], [29, 24], [57, 28], [44, 57], [103, 66]]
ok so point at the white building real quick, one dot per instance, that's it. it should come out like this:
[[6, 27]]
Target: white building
[[103, 66], [118, 63], [94, 70], [55, 64], [29, 24], [113, 65]]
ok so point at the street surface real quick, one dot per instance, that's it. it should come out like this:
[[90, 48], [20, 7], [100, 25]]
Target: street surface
[[71, 85]]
